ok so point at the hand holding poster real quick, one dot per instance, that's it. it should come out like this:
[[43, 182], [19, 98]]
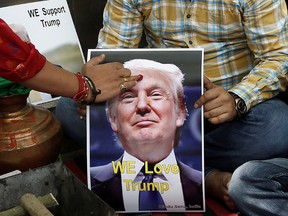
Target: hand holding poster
[[148, 155]]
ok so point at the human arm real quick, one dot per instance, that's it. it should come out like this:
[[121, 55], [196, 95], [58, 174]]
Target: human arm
[[265, 24], [268, 77], [122, 25], [58, 81], [22, 63]]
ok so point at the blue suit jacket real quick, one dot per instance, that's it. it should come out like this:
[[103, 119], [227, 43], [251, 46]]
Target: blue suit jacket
[[107, 185]]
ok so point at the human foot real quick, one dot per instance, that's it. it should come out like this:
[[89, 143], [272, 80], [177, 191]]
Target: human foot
[[216, 185]]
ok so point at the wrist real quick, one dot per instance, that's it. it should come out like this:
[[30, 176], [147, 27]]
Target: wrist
[[93, 91], [240, 105], [89, 95], [87, 91], [83, 90]]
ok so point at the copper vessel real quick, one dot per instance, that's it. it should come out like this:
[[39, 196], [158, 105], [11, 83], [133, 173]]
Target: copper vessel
[[30, 136]]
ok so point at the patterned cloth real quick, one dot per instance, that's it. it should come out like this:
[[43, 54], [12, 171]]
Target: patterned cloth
[[245, 42], [19, 61]]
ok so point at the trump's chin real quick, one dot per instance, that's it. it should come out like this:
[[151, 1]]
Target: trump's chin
[[146, 134]]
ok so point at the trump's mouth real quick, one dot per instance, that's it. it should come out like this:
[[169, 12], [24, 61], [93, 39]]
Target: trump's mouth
[[144, 122]]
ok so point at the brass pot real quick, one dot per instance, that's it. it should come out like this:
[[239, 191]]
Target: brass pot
[[30, 136]]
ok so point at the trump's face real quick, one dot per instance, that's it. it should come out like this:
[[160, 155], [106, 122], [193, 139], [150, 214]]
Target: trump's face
[[146, 116]]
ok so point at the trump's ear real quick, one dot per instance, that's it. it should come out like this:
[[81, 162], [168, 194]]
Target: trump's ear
[[181, 114], [113, 122]]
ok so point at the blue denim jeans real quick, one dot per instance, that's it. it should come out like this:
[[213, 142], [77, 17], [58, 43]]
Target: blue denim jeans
[[72, 125], [261, 187], [261, 134]]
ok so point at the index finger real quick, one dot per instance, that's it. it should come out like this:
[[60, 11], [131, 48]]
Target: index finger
[[199, 102], [208, 95], [124, 72]]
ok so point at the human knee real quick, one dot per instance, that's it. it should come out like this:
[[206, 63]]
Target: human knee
[[72, 125], [66, 109], [242, 179], [64, 103]]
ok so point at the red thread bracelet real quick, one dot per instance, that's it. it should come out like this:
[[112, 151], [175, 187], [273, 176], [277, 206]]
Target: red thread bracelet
[[82, 93]]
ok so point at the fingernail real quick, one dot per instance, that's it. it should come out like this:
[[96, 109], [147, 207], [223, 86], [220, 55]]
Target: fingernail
[[140, 77]]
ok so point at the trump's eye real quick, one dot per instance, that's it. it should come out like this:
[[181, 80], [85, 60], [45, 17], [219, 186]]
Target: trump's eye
[[127, 97], [157, 94]]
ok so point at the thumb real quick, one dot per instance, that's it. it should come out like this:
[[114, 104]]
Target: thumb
[[97, 60], [208, 84]]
